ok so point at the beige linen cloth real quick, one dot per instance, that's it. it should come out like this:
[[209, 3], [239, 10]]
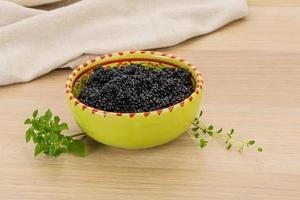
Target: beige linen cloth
[[34, 42]]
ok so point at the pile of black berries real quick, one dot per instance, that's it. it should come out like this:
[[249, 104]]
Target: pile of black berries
[[135, 88]]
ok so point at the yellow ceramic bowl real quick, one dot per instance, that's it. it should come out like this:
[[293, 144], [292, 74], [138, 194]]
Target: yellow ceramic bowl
[[133, 130]]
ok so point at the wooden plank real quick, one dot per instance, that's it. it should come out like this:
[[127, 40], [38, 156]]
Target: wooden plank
[[251, 72], [274, 2]]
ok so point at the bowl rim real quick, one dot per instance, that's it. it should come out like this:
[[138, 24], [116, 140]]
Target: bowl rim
[[80, 69]]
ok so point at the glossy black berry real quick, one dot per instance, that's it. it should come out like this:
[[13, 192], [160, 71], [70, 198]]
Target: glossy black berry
[[135, 88]]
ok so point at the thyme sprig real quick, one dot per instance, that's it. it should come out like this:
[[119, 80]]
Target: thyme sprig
[[201, 132]]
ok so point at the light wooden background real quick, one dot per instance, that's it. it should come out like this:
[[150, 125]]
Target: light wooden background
[[252, 82]]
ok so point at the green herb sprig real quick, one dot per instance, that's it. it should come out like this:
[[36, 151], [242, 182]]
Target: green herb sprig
[[201, 132], [46, 133]]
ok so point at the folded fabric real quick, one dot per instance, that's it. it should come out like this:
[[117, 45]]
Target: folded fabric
[[32, 2], [34, 42]]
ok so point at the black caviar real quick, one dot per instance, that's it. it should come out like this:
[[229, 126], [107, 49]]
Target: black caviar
[[135, 88]]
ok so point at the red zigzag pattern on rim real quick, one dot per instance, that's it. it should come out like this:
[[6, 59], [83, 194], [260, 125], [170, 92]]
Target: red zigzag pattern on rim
[[83, 107], [171, 108], [131, 115], [159, 111]]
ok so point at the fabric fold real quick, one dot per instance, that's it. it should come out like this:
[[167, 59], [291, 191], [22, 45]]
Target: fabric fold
[[32, 2], [45, 40]]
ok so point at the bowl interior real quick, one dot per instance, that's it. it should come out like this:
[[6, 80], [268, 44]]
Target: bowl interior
[[82, 79]]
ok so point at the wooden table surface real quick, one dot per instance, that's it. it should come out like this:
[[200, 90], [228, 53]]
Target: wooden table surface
[[252, 83]]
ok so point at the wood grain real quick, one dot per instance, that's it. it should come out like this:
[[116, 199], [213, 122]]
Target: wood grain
[[274, 2], [252, 83]]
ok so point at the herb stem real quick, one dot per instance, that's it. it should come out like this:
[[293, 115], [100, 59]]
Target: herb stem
[[78, 134], [201, 125], [200, 131]]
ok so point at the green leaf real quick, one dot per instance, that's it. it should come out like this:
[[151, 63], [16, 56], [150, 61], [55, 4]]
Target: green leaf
[[229, 146], [231, 131], [195, 129], [220, 130], [251, 142], [210, 133], [55, 129], [197, 135], [38, 149], [38, 139], [55, 137], [67, 140], [27, 121], [45, 147], [201, 113], [48, 114], [77, 148], [63, 126], [259, 149], [36, 125], [28, 134], [52, 150], [228, 135], [203, 143], [62, 150], [210, 127], [56, 119], [35, 113]]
